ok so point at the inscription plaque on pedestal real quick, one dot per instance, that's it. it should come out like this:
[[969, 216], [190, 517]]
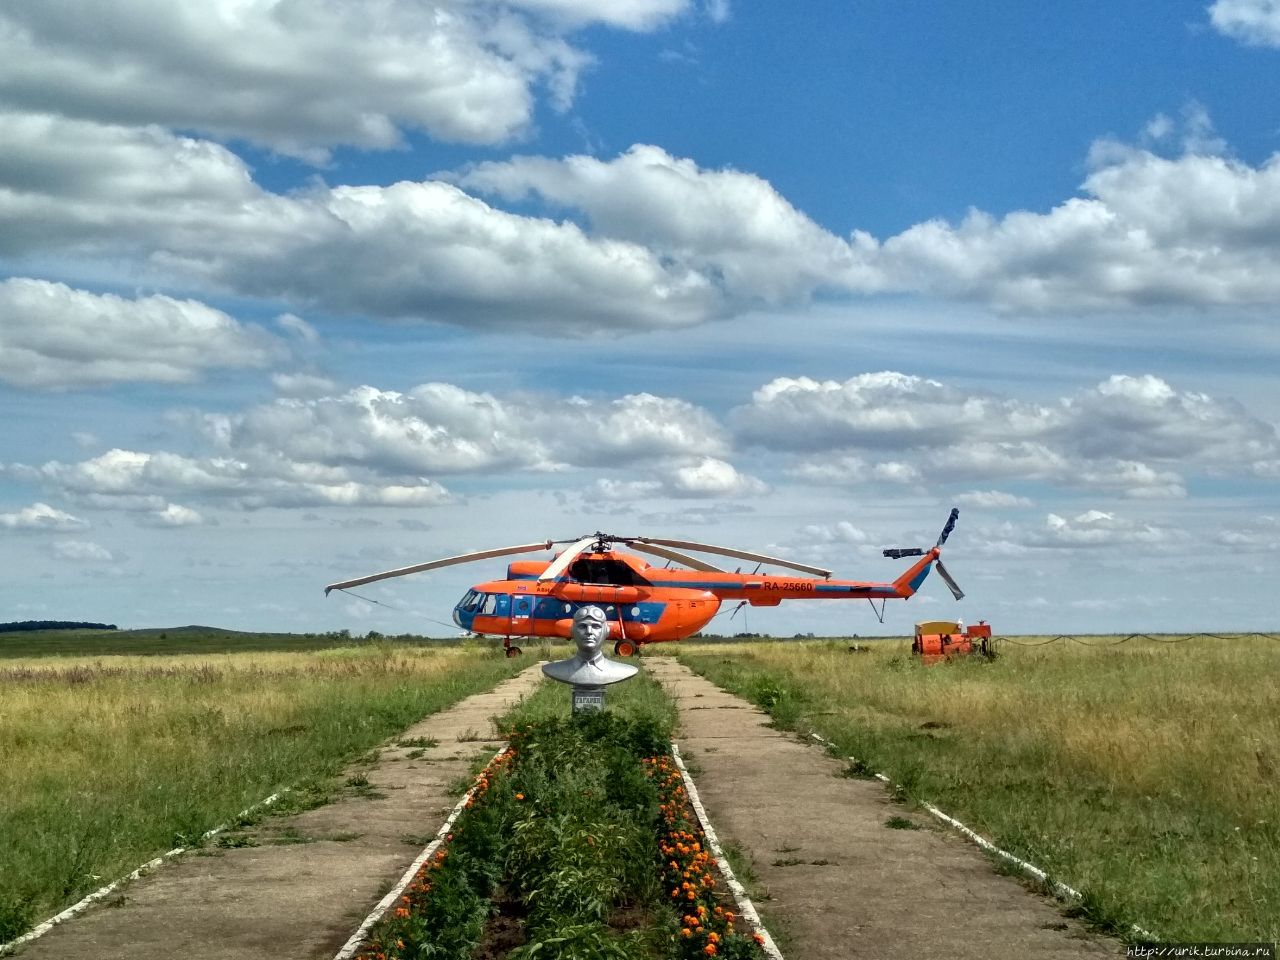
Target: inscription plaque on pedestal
[[586, 699]]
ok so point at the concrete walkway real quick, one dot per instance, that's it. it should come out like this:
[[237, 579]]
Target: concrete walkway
[[301, 898], [840, 883]]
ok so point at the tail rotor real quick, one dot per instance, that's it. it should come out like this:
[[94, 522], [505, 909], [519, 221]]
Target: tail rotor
[[897, 553]]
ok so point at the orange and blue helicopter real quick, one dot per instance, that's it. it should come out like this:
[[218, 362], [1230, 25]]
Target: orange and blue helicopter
[[646, 603]]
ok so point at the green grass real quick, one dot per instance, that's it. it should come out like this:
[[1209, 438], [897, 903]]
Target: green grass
[[1145, 775], [106, 763], [190, 639]]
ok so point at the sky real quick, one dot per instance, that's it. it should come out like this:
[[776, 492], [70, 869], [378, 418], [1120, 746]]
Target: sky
[[296, 291]]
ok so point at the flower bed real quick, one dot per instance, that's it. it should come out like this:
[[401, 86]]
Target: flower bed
[[577, 842]]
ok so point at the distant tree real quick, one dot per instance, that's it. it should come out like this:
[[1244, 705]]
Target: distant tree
[[25, 625]]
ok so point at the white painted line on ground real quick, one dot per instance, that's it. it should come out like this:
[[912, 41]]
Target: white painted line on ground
[[745, 907], [1063, 891], [352, 946], [78, 908]]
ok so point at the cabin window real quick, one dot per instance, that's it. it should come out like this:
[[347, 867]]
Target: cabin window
[[490, 604], [607, 571]]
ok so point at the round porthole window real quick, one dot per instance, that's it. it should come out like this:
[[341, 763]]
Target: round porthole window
[[635, 611]]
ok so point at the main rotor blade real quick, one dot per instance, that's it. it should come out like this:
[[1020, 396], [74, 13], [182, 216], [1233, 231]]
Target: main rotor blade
[[739, 554], [955, 589], [561, 563], [691, 562], [446, 562], [897, 553]]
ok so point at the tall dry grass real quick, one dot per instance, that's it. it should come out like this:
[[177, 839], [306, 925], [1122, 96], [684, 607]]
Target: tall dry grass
[[1145, 774], [105, 763]]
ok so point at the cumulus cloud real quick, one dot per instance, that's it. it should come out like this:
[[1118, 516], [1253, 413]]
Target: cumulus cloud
[[41, 516], [373, 447], [724, 223], [1096, 528], [189, 211], [56, 338], [82, 551], [1127, 435], [990, 499], [301, 79], [650, 240], [1252, 21], [703, 478], [1262, 534], [441, 428], [139, 481], [172, 515], [1199, 228]]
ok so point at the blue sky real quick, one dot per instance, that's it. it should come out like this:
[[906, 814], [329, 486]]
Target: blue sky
[[290, 294]]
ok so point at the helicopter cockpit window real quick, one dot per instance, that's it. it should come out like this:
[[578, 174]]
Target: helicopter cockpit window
[[606, 571], [470, 601], [490, 604]]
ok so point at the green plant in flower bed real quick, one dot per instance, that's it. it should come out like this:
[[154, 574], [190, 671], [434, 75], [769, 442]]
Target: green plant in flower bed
[[565, 835]]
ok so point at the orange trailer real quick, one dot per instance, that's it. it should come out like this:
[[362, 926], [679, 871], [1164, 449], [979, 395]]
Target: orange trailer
[[937, 640]]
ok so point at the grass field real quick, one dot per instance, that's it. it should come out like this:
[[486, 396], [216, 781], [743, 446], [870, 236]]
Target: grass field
[[107, 762], [1146, 775], [171, 640]]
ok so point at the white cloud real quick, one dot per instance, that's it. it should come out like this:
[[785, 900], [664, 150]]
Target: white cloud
[[54, 337], [302, 78], [885, 410], [1096, 528], [704, 478], [298, 327], [1150, 230], [41, 516], [710, 477], [442, 428], [172, 515], [82, 551], [138, 481], [990, 500], [1262, 534], [188, 211], [1252, 21], [373, 447], [1129, 435], [726, 224]]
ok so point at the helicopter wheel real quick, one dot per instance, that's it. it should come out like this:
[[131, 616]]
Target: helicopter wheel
[[624, 648], [513, 652]]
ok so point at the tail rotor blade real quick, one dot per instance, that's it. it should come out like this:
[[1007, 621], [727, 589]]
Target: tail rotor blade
[[951, 525], [897, 553], [955, 588]]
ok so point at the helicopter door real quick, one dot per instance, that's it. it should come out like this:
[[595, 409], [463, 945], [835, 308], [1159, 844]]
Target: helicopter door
[[521, 610]]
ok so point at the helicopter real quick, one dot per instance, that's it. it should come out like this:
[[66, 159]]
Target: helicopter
[[645, 603]]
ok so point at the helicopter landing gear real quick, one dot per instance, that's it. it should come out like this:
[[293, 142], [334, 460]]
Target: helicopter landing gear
[[625, 648], [510, 649]]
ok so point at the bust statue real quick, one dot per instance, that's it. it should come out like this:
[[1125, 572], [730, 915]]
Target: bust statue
[[589, 667]]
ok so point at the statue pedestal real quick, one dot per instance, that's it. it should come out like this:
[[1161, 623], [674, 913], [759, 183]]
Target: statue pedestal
[[587, 699]]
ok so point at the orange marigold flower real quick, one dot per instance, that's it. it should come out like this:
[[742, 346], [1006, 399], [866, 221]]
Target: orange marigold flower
[[519, 796], [709, 949]]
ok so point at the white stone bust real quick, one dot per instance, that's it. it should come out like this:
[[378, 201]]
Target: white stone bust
[[589, 667]]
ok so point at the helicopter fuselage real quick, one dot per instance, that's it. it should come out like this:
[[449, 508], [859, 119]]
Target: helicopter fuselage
[[645, 603]]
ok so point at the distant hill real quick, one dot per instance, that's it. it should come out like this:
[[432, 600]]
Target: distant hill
[[25, 625]]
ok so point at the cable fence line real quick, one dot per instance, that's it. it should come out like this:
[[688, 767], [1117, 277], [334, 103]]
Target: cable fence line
[[1163, 638]]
